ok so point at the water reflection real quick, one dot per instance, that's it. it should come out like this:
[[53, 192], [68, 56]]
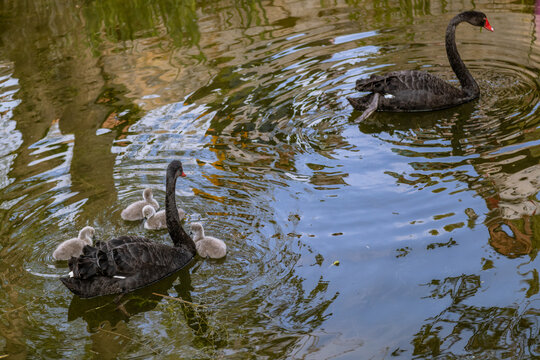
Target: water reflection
[[512, 201], [507, 179], [503, 330], [98, 97], [106, 317], [113, 309]]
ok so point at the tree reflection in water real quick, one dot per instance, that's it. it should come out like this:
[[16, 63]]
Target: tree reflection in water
[[503, 331], [251, 91]]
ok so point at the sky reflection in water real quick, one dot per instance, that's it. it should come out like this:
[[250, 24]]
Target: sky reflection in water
[[432, 216]]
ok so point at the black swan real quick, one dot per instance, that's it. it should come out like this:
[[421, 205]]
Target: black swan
[[207, 246], [74, 247], [128, 263], [418, 90], [134, 211], [157, 220]]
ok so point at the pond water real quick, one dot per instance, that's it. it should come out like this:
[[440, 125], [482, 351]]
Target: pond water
[[408, 235]]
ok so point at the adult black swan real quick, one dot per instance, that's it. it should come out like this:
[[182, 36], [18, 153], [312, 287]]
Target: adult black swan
[[128, 263], [418, 90]]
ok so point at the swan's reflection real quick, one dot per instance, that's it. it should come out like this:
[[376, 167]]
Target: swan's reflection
[[448, 124], [114, 309], [111, 310], [106, 316]]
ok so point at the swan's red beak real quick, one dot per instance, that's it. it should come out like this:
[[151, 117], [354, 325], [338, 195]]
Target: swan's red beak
[[487, 25], [183, 174]]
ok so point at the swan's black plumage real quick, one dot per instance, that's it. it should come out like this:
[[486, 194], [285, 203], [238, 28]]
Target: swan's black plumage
[[128, 263], [418, 90]]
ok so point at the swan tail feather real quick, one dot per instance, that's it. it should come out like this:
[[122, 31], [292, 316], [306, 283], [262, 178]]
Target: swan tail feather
[[93, 262]]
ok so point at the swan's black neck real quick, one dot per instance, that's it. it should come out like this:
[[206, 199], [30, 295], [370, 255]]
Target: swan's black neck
[[468, 84], [177, 233]]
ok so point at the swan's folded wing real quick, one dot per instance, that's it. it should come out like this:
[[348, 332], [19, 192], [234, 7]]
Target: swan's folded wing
[[121, 256], [93, 262], [123, 240], [398, 81], [130, 258]]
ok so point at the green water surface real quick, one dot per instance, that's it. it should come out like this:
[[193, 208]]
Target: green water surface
[[411, 235]]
